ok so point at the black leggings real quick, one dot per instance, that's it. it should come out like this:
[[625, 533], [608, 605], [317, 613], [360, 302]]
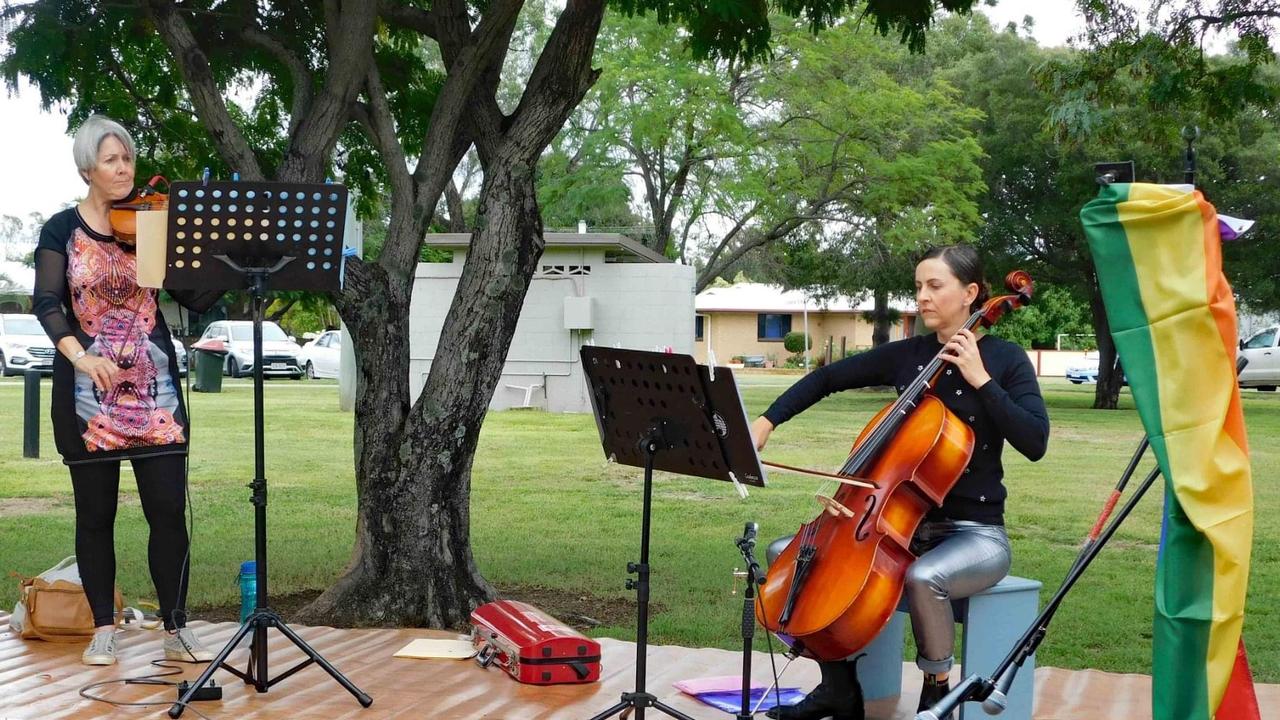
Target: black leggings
[[162, 488]]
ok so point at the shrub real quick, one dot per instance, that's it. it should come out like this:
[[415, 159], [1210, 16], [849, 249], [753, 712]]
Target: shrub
[[795, 342]]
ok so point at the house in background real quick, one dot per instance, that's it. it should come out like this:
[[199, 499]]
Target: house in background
[[751, 319], [590, 288]]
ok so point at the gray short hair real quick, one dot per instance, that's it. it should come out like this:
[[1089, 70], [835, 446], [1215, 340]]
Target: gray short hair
[[89, 139]]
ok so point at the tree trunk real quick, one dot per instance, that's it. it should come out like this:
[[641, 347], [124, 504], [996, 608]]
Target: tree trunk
[[880, 318], [1107, 393], [412, 563]]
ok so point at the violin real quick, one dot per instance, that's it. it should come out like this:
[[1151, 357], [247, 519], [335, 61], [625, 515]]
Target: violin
[[839, 580], [124, 212]]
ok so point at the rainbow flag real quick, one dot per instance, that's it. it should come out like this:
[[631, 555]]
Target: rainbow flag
[[1158, 256]]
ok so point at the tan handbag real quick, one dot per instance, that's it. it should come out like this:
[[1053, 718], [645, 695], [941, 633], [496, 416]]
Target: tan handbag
[[57, 610]]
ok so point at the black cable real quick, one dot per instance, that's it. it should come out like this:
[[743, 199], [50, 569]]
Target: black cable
[[773, 661], [153, 679], [186, 491]]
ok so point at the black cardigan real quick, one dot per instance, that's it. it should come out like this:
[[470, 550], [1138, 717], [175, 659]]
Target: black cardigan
[[1008, 407]]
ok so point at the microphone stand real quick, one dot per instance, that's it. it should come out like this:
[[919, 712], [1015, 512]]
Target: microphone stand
[[993, 694], [746, 545]]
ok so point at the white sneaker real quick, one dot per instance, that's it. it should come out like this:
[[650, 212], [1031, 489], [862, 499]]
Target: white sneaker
[[101, 650], [184, 646]]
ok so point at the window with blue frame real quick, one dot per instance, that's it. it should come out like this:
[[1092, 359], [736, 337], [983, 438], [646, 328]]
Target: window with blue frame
[[697, 327], [772, 327]]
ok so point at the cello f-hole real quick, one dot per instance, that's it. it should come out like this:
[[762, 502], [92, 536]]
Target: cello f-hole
[[862, 533]]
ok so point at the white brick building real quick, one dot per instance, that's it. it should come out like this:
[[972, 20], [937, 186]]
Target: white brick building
[[590, 288]]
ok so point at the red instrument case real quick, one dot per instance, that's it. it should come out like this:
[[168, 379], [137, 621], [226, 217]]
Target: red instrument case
[[532, 646]]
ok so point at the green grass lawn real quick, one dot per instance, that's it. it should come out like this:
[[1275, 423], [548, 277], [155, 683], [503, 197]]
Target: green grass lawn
[[549, 512]]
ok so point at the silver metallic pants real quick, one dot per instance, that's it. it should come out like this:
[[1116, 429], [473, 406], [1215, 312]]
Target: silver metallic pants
[[957, 558]]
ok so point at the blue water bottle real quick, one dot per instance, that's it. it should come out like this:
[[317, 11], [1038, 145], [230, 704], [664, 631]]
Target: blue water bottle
[[248, 588]]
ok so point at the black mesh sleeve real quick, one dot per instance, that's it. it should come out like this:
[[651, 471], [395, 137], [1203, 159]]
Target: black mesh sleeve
[[873, 367], [50, 291]]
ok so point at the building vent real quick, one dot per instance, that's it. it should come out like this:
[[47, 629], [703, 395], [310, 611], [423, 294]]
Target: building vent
[[564, 270]]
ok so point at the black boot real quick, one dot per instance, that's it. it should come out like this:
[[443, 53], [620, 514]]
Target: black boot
[[838, 696], [931, 692]]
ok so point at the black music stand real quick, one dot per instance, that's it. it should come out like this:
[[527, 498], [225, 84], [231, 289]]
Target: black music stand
[[232, 235], [665, 412]]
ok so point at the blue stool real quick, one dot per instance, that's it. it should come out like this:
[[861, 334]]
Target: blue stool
[[991, 622]]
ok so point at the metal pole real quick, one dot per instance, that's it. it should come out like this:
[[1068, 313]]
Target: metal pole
[[31, 414], [806, 332]]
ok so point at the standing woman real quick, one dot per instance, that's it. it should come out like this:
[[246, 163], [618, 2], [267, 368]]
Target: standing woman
[[114, 391], [961, 546]]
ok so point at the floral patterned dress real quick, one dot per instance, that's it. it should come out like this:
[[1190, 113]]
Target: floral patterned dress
[[86, 285]]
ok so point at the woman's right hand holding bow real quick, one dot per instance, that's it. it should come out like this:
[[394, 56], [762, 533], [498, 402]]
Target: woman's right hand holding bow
[[102, 371]]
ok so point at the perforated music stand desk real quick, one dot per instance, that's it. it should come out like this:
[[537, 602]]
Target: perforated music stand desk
[[255, 225], [666, 412], [261, 236]]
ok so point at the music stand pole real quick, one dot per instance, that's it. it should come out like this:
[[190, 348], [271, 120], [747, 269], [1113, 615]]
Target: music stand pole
[[640, 699], [664, 411], [263, 617]]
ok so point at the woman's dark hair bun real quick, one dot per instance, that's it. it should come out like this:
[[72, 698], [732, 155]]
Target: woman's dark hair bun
[[966, 265]]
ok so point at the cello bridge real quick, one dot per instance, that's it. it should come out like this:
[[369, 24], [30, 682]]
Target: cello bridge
[[833, 506]]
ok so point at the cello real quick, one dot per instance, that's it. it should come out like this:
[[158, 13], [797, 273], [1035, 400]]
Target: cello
[[839, 580]]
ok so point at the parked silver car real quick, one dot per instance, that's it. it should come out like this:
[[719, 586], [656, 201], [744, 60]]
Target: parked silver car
[[24, 345], [1263, 350], [279, 351]]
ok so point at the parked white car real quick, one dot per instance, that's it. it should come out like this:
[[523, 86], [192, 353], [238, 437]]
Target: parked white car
[[320, 357], [180, 353], [24, 345], [1085, 370], [279, 351], [1263, 352]]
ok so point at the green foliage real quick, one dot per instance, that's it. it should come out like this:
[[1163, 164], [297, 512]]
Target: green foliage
[[1040, 176], [105, 58], [905, 146], [570, 191], [739, 29], [795, 342], [1053, 311], [1162, 54]]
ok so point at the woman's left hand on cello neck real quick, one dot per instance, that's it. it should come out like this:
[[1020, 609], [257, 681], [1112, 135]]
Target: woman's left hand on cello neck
[[962, 351]]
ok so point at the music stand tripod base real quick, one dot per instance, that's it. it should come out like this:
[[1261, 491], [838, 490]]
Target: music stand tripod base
[[232, 235]]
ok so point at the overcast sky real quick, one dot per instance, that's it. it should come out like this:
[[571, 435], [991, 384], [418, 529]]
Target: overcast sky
[[41, 176]]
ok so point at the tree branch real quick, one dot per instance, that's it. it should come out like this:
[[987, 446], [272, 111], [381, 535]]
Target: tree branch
[[409, 18], [383, 127], [1224, 19], [779, 230], [299, 73], [457, 215], [560, 79], [205, 94], [350, 53], [468, 56]]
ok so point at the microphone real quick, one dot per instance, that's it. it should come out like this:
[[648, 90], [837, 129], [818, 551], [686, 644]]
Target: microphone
[[944, 707], [746, 544], [998, 700]]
